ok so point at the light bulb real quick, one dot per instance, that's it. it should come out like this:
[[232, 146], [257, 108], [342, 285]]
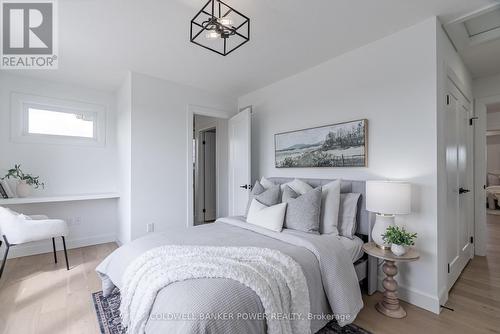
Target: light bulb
[[225, 21], [212, 34]]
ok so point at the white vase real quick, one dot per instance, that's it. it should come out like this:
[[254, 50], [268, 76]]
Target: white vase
[[399, 250], [23, 189]]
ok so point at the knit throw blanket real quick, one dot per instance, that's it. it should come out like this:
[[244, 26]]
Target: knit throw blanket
[[276, 278]]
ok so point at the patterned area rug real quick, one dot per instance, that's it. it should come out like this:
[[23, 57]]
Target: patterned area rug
[[108, 315]]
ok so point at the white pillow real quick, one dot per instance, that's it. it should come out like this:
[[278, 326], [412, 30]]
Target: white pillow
[[266, 183], [270, 217], [300, 187], [330, 206]]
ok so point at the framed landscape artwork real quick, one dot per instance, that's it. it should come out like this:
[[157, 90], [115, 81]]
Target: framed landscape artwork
[[336, 145]]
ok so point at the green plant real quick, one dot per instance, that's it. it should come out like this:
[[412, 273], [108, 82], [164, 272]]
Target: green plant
[[17, 173], [399, 236]]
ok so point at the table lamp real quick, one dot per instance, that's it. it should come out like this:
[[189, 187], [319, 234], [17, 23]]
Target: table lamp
[[386, 199]]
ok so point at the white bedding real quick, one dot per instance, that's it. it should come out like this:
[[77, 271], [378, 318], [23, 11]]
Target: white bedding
[[331, 278]]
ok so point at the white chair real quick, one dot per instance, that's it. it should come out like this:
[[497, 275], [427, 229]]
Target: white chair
[[19, 229]]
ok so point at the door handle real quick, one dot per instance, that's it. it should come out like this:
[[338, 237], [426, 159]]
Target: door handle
[[246, 186], [463, 190]]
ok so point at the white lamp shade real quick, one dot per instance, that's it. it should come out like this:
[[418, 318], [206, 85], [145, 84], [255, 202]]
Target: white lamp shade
[[388, 197]]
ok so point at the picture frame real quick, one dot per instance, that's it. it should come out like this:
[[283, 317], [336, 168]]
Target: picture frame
[[335, 145]]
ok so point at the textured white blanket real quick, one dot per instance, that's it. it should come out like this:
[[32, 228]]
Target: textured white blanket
[[276, 278]]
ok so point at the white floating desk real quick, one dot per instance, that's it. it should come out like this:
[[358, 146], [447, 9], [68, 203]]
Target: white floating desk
[[55, 199]]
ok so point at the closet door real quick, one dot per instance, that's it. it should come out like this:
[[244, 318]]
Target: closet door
[[460, 199]]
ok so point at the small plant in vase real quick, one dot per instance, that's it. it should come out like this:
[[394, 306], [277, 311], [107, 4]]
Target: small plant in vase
[[26, 182], [399, 239]]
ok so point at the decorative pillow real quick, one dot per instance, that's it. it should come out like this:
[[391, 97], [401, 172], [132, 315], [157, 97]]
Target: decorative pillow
[[493, 180], [303, 211], [300, 187], [266, 183], [330, 204], [270, 217], [347, 214], [268, 197]]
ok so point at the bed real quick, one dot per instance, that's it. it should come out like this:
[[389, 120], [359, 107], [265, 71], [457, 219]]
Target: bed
[[334, 267]]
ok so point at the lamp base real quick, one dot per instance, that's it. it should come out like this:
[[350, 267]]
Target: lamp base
[[382, 222]]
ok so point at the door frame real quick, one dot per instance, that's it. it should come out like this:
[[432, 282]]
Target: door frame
[[480, 166], [191, 111]]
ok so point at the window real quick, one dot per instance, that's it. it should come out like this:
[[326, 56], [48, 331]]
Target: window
[[56, 123], [43, 120]]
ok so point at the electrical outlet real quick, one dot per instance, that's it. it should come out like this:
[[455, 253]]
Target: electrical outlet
[[150, 227]]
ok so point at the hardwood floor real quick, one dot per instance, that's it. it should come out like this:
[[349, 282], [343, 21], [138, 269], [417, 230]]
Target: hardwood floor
[[39, 296], [475, 297]]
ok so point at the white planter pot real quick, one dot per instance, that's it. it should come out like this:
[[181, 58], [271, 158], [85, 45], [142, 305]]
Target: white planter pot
[[399, 250], [23, 189]]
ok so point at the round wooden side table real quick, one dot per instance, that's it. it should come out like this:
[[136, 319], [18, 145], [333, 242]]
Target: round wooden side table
[[389, 305]]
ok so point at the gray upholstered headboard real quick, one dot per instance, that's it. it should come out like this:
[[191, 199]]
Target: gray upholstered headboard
[[346, 186]]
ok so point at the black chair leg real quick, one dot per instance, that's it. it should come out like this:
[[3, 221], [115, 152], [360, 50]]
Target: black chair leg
[[5, 255], [65, 253], [54, 247]]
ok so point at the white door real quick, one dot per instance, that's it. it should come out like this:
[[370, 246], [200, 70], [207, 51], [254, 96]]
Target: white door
[[239, 129], [460, 198]]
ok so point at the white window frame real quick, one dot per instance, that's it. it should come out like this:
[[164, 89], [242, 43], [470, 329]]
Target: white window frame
[[21, 103]]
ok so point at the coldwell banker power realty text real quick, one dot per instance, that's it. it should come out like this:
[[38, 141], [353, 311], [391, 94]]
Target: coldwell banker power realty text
[[29, 34]]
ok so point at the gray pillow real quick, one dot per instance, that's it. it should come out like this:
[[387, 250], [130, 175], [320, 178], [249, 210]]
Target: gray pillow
[[303, 211], [267, 197], [348, 214]]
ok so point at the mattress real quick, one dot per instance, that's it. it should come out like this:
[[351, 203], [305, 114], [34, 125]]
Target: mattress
[[353, 246]]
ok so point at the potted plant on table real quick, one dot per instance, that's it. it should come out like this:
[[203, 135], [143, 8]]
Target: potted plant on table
[[399, 239], [26, 182]]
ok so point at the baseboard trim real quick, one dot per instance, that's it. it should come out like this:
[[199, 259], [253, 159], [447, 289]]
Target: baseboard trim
[[443, 296], [45, 246], [415, 297]]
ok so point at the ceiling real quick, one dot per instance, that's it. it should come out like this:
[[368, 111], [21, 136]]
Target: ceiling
[[99, 40]]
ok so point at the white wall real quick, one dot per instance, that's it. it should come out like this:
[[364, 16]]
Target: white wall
[[392, 83], [493, 153], [66, 169], [487, 86], [493, 142], [449, 64], [124, 157], [159, 150]]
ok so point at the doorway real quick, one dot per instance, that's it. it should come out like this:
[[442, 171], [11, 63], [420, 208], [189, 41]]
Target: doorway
[[205, 169], [493, 158]]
